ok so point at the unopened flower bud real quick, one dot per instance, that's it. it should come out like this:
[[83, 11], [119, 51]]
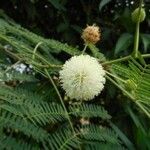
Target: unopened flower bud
[[91, 34], [138, 16]]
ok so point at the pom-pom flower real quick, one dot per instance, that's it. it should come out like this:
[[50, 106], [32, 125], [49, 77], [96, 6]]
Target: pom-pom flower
[[82, 77], [91, 34]]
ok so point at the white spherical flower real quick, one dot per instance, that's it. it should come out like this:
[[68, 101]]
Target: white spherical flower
[[82, 77]]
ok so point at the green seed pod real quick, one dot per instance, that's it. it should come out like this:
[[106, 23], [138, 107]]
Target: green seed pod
[[135, 15]]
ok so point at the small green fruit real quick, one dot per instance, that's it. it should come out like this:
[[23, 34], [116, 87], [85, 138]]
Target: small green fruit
[[138, 17]]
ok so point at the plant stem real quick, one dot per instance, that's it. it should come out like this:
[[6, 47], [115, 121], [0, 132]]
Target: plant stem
[[35, 49], [116, 60], [61, 100], [14, 56], [118, 78], [84, 49], [123, 59], [136, 40], [137, 33], [129, 95], [121, 88], [145, 111], [146, 55]]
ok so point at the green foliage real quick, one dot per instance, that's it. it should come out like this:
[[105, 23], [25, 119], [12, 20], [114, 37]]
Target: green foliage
[[93, 132], [103, 3], [30, 106], [137, 79], [25, 113], [56, 4], [123, 43], [32, 115], [12, 30], [146, 41], [96, 53], [87, 135], [8, 142], [141, 129], [89, 110]]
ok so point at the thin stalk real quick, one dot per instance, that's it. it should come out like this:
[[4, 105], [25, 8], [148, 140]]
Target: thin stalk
[[123, 59], [146, 55], [84, 49], [129, 95], [121, 88], [118, 78], [29, 51], [45, 66], [35, 49], [14, 56], [144, 110], [137, 33], [43, 59], [116, 60], [61, 100], [136, 40]]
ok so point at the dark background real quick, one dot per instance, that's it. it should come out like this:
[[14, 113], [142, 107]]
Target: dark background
[[64, 19]]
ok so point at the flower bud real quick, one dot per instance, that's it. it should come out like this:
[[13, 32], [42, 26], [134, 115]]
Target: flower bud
[[131, 85], [138, 16], [91, 34]]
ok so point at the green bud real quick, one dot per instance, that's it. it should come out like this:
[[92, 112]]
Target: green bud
[[131, 85], [138, 17]]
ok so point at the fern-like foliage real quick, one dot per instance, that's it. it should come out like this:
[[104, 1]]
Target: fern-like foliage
[[30, 106], [10, 121], [105, 146], [89, 110], [8, 142], [64, 138], [85, 136], [99, 133], [24, 42], [26, 114], [29, 120], [137, 82]]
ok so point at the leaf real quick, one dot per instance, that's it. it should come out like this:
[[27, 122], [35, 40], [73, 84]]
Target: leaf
[[135, 119], [89, 110], [146, 41], [141, 132], [103, 3], [139, 87], [96, 53], [126, 21], [123, 42], [122, 136], [141, 59], [57, 4]]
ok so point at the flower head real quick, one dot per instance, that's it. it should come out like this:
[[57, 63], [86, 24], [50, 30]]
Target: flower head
[[82, 77], [91, 34]]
